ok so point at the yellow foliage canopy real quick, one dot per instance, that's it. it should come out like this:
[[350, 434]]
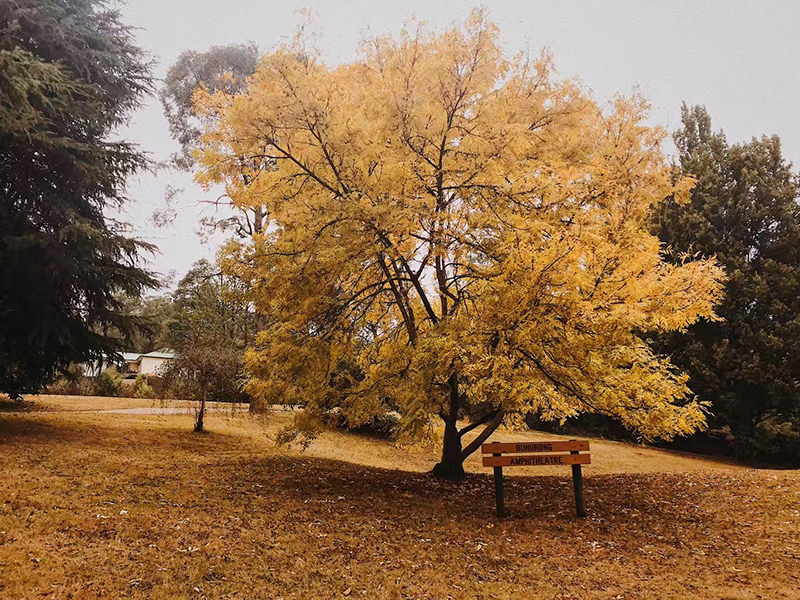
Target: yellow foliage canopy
[[456, 233]]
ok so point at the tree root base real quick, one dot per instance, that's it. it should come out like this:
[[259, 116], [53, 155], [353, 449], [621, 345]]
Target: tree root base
[[449, 472]]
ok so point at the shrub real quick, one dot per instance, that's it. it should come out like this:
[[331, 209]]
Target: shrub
[[108, 383], [142, 389], [378, 426], [73, 382], [775, 441]]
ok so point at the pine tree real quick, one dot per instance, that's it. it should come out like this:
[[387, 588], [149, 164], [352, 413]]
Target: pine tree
[[70, 73], [744, 211]]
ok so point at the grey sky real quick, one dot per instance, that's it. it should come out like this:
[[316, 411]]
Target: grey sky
[[740, 59]]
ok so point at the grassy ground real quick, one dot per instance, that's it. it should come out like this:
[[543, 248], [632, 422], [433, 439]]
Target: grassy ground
[[119, 505], [100, 404]]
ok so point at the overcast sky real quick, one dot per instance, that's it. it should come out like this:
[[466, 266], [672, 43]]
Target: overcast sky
[[740, 59]]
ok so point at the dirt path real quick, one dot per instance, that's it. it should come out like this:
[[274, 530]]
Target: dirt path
[[168, 410]]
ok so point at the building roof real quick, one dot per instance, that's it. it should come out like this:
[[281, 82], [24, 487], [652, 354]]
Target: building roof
[[159, 355], [137, 356]]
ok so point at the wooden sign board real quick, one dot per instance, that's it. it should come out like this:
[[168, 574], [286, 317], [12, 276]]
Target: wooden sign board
[[536, 460], [520, 447], [536, 454]]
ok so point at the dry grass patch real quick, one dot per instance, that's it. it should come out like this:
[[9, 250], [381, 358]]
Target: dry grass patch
[[109, 505], [54, 403]]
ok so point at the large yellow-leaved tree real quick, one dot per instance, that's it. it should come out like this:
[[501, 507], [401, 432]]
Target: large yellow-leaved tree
[[453, 234]]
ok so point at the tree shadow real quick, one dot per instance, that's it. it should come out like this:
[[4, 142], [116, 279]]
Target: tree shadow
[[7, 405], [370, 492]]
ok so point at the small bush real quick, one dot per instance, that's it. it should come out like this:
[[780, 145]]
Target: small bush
[[71, 383], [142, 389], [379, 426], [774, 441], [586, 424], [108, 383]]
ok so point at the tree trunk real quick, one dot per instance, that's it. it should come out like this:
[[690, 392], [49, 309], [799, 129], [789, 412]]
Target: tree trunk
[[198, 426], [258, 219], [451, 466]]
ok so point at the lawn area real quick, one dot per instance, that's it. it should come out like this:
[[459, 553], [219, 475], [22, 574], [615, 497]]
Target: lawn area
[[136, 505]]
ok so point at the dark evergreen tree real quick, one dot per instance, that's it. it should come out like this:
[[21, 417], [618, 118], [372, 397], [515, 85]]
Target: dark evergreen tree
[[70, 73], [744, 210]]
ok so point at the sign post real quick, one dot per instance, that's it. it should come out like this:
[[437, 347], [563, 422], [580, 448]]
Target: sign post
[[577, 484], [499, 499]]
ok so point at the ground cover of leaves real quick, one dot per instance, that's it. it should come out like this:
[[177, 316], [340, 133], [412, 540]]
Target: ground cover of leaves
[[109, 505]]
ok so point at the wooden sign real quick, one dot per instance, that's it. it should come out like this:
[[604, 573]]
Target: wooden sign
[[516, 456], [536, 461], [534, 447]]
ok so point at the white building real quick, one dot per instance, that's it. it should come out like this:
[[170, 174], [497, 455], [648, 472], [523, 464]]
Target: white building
[[152, 363], [133, 364]]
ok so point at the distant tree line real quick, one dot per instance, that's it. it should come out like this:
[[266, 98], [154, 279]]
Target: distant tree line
[[206, 309]]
